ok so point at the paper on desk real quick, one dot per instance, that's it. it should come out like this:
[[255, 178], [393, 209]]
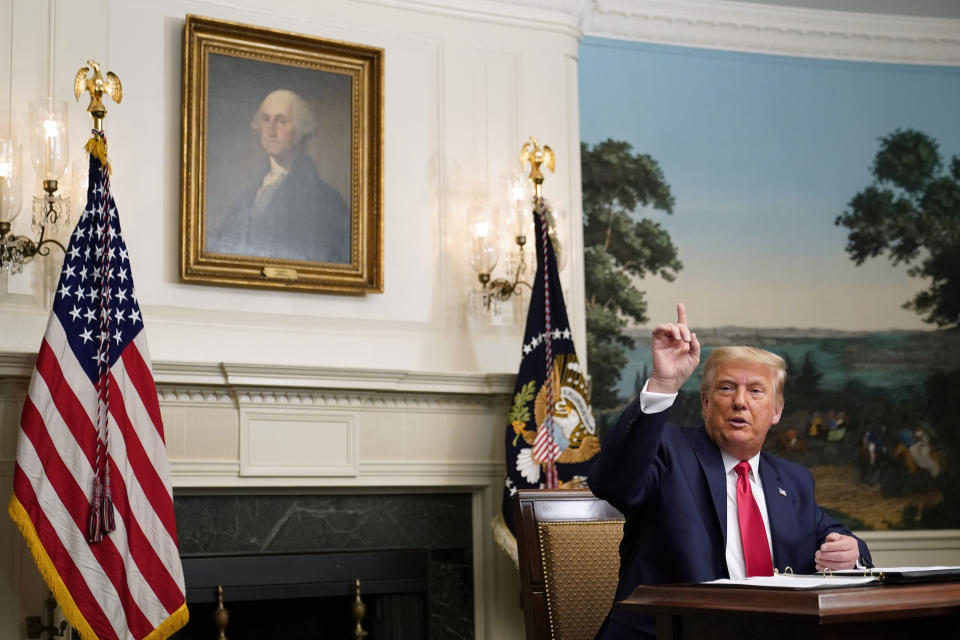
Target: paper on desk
[[791, 581]]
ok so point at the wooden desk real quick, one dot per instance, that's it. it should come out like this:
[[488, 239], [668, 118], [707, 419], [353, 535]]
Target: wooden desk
[[918, 612]]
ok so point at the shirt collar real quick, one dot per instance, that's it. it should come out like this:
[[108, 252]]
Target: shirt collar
[[729, 462], [276, 168]]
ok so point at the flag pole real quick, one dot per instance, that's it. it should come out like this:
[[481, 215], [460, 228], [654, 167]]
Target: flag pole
[[535, 155], [101, 519], [96, 86]]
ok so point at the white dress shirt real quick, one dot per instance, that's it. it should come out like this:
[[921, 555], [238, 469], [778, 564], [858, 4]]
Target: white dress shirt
[[653, 402], [270, 182]]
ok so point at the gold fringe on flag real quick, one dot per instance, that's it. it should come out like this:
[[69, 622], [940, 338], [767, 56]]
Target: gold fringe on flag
[[97, 147], [177, 620], [61, 594], [505, 538]]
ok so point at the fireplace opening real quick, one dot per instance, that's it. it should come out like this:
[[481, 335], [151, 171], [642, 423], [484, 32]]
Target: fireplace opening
[[309, 596], [215, 527]]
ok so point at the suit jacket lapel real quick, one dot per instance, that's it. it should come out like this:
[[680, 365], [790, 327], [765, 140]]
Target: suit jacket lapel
[[712, 465], [783, 523]]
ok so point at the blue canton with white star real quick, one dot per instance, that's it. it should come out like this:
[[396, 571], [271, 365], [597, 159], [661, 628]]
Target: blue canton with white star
[[86, 280]]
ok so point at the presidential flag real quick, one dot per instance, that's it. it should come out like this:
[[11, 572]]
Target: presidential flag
[[551, 437], [92, 492]]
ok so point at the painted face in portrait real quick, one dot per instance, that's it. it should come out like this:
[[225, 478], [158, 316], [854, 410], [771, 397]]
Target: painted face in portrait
[[278, 130]]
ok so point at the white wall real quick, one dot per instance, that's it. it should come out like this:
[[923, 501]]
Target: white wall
[[463, 90]]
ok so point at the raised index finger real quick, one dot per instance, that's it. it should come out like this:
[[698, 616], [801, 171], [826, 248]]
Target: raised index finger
[[681, 313]]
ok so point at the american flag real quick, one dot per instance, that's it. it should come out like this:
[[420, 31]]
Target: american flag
[[91, 434]]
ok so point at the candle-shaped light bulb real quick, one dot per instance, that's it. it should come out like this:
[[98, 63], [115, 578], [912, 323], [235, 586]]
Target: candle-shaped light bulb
[[10, 188], [518, 203], [48, 137], [484, 238], [50, 127]]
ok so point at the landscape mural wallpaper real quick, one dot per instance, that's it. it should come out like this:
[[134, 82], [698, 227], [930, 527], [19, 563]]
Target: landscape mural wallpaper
[[811, 207]]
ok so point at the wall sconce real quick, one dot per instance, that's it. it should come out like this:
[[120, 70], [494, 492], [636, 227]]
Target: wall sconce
[[48, 146], [12, 247], [48, 150], [487, 230], [485, 235]]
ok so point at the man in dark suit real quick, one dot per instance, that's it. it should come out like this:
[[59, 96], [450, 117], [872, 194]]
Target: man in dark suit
[[705, 503], [289, 212]]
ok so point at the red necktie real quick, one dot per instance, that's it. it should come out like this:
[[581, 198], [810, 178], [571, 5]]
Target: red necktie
[[753, 536]]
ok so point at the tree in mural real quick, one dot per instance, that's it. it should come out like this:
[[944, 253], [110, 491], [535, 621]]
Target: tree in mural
[[806, 383], [912, 212], [619, 246]]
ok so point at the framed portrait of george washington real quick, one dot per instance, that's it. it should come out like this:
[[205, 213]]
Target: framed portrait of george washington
[[282, 164]]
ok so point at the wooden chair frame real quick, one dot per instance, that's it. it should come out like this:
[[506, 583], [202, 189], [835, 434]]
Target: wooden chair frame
[[532, 507]]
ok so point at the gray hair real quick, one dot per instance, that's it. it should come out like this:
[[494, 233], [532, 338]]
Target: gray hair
[[778, 367], [302, 116]]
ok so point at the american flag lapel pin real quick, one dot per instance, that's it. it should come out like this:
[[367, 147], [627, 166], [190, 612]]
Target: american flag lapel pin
[[782, 492]]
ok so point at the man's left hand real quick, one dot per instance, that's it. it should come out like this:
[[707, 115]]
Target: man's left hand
[[837, 552]]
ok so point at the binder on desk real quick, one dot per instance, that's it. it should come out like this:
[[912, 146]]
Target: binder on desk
[[902, 575], [844, 578]]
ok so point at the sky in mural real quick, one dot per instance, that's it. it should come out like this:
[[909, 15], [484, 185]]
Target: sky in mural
[[762, 154]]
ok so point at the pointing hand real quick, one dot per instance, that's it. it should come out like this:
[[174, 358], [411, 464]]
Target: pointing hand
[[676, 353]]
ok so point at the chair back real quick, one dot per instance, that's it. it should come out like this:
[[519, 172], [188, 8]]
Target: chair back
[[568, 551]]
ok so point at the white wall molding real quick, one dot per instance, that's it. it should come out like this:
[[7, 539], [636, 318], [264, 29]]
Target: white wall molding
[[913, 548], [943, 539], [204, 381], [187, 472], [756, 28], [16, 365], [253, 375], [298, 442], [201, 476], [195, 396], [561, 16], [366, 400], [379, 379]]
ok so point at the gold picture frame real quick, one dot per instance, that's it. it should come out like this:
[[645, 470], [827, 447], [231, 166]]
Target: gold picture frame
[[282, 165]]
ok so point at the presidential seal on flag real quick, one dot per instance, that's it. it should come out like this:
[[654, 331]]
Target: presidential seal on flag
[[575, 432]]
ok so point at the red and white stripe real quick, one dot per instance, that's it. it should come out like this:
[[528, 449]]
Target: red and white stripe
[[545, 450], [551, 452], [132, 581]]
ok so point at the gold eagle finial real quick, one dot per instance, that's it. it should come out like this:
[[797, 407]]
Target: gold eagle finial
[[536, 155], [96, 85]]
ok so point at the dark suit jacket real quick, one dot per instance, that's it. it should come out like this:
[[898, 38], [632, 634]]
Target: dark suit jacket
[[305, 219], [669, 482]]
